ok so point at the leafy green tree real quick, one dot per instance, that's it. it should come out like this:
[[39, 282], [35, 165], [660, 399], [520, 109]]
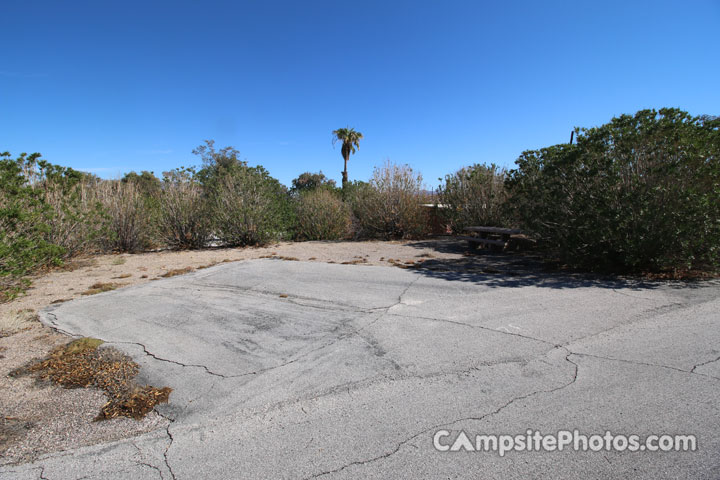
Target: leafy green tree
[[216, 163], [308, 181], [146, 182], [350, 139]]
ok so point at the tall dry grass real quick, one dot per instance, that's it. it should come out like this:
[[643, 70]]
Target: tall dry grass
[[184, 220], [130, 217]]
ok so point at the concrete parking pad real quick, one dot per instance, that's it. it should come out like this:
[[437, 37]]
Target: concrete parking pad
[[286, 369]]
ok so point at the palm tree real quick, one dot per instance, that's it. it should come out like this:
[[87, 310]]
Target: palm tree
[[350, 141]]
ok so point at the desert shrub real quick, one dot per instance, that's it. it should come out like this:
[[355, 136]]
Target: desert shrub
[[184, 219], [389, 206], [641, 193], [247, 205], [474, 195], [130, 216], [321, 215]]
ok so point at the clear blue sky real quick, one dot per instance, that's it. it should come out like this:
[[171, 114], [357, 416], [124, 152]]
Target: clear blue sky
[[111, 87]]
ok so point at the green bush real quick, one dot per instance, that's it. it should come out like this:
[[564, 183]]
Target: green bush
[[641, 193], [474, 195], [24, 225], [390, 205], [321, 215]]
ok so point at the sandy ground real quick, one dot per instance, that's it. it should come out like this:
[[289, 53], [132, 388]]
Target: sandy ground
[[36, 419]]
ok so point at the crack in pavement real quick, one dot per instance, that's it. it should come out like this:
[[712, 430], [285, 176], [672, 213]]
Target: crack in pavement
[[399, 446], [615, 290], [381, 378], [642, 316], [646, 364], [368, 382], [54, 325], [703, 364], [479, 327], [205, 393], [160, 359], [140, 452], [170, 443], [373, 345]]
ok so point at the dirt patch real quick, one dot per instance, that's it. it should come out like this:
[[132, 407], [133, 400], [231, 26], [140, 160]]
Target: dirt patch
[[16, 321], [76, 264], [82, 364], [11, 429]]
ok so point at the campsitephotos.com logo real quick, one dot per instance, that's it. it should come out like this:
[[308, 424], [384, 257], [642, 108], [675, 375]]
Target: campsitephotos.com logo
[[534, 440]]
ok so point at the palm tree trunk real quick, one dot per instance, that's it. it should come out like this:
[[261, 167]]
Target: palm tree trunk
[[344, 174]]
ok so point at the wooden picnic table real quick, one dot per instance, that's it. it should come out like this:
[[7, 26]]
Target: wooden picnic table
[[495, 230], [495, 236]]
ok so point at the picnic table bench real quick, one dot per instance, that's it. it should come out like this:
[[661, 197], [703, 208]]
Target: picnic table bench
[[495, 236]]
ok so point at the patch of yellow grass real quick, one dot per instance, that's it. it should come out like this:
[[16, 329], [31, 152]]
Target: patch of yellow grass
[[82, 345], [101, 287], [178, 271]]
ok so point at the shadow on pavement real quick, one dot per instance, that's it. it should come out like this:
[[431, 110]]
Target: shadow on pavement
[[519, 269]]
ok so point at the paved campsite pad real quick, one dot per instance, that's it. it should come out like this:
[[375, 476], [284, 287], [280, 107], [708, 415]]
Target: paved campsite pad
[[297, 370]]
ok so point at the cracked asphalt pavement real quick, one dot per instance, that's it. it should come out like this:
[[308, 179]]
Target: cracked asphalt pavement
[[302, 370]]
